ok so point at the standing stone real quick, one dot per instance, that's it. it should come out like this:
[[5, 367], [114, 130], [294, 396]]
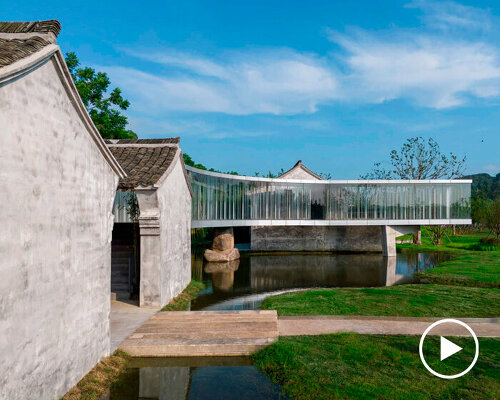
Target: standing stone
[[222, 247], [222, 256], [223, 239]]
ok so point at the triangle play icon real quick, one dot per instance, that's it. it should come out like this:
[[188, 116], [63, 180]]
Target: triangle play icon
[[448, 348]]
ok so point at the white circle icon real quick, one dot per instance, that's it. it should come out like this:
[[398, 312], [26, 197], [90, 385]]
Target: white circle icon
[[448, 348]]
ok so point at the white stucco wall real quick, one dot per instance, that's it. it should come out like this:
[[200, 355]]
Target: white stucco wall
[[57, 197], [174, 201]]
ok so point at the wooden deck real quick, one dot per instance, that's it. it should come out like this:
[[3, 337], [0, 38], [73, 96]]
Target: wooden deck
[[203, 333]]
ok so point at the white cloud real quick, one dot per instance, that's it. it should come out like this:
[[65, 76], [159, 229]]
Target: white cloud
[[450, 16], [491, 168], [433, 66], [270, 81], [433, 72]]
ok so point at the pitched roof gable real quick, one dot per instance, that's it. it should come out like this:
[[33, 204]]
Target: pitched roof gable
[[19, 40], [144, 160], [297, 169]]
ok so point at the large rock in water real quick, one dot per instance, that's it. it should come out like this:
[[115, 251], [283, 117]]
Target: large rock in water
[[222, 256], [223, 239]]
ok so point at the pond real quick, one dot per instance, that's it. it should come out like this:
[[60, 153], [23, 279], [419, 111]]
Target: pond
[[198, 378], [244, 283]]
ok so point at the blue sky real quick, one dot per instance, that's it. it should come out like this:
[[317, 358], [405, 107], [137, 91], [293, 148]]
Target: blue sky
[[256, 85]]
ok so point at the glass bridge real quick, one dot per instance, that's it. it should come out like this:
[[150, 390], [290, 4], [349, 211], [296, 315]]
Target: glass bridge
[[233, 200]]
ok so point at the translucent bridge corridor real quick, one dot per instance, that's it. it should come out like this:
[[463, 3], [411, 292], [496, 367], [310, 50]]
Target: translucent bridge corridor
[[232, 200]]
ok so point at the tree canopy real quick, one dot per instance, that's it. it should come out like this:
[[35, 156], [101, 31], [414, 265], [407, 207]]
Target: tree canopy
[[189, 161], [418, 159], [105, 108]]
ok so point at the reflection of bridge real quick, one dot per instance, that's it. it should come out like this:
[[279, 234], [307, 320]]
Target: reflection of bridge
[[327, 212]]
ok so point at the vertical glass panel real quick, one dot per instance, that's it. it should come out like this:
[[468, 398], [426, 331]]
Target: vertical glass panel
[[233, 198]]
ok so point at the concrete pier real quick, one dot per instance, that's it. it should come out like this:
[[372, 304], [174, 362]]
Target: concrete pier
[[329, 238]]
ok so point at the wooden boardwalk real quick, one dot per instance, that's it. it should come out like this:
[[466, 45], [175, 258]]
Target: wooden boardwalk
[[203, 333]]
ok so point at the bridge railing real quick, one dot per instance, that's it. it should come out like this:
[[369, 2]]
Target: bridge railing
[[223, 197]]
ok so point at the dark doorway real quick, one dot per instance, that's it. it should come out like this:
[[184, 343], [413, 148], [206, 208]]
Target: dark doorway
[[125, 257], [242, 237]]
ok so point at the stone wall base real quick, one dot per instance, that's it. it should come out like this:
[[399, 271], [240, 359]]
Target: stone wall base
[[326, 238]]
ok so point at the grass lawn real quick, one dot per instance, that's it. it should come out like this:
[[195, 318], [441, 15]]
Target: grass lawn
[[405, 300], [182, 301], [351, 366], [463, 242], [480, 269]]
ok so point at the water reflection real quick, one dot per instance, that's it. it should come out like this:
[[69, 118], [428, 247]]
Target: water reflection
[[195, 379], [222, 274], [164, 383], [245, 283]]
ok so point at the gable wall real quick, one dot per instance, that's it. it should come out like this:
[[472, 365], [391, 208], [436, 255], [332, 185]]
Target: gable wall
[[298, 173], [57, 195], [174, 201]]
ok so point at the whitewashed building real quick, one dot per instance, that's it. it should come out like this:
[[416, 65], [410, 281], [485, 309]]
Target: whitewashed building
[[59, 181], [156, 174]]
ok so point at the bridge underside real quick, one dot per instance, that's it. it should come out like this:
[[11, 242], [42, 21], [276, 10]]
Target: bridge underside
[[330, 237]]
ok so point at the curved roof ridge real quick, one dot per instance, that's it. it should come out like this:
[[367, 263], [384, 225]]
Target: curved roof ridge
[[47, 26]]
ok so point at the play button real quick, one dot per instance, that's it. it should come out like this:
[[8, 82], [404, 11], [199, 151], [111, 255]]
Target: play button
[[448, 348]]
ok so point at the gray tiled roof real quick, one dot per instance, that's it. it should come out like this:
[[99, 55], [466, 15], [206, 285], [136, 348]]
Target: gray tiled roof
[[49, 26], [174, 140], [16, 49], [22, 39], [144, 160]]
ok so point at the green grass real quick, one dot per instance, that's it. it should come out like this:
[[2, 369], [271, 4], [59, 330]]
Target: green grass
[[95, 384], [463, 242], [182, 301], [404, 300], [480, 269], [351, 366]]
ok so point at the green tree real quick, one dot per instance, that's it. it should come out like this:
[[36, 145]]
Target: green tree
[[491, 216], [189, 161], [418, 159], [105, 110]]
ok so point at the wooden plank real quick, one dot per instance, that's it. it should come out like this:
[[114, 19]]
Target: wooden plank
[[203, 333]]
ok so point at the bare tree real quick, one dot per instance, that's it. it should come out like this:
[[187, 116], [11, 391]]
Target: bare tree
[[420, 159]]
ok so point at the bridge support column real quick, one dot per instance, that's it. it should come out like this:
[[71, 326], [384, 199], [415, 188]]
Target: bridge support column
[[222, 246], [389, 234]]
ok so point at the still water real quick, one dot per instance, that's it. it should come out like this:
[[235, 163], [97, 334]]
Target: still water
[[205, 378], [244, 283]]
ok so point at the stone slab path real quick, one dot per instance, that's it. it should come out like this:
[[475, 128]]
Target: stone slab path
[[319, 325], [203, 333], [125, 318]]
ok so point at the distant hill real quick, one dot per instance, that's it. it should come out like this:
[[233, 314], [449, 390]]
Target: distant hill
[[485, 185]]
